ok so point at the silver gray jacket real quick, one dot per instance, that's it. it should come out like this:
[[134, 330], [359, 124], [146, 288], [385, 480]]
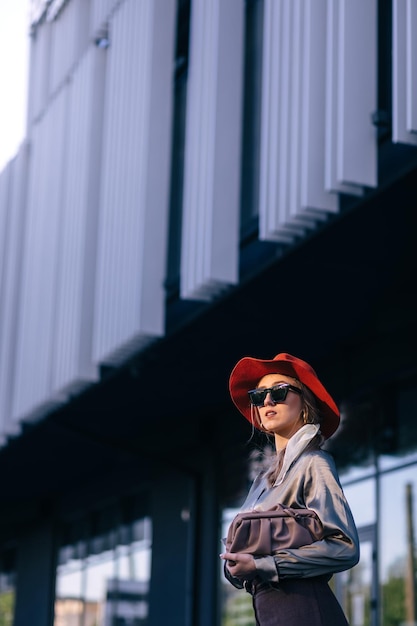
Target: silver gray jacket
[[312, 482]]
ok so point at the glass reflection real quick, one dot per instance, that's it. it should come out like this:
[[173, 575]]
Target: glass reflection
[[236, 607], [7, 598], [362, 501], [398, 548], [108, 586], [354, 589]]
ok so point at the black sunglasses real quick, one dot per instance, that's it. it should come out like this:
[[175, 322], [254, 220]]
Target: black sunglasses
[[278, 394]]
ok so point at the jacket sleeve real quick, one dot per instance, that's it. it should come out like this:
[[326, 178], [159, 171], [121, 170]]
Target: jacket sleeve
[[339, 548]]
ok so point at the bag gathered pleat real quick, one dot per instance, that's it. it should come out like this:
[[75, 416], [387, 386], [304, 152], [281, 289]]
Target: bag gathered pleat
[[266, 532]]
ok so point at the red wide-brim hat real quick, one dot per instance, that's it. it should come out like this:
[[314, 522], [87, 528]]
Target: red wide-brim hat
[[248, 371]]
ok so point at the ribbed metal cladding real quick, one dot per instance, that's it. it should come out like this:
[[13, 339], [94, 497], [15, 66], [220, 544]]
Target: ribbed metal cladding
[[134, 199], [74, 308], [69, 40], [4, 208], [4, 255], [292, 192], [41, 264], [209, 253], [101, 12], [40, 60], [13, 186], [318, 96], [351, 155], [412, 66], [404, 68], [5, 176], [332, 182]]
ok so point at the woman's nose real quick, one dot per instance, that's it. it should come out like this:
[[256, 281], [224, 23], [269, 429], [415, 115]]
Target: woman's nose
[[268, 399]]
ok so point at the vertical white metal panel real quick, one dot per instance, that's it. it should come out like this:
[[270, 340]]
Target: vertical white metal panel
[[41, 263], [357, 93], [227, 164], [399, 73], [275, 123], [196, 187], [4, 209], [282, 209], [290, 211], [102, 11], [5, 176], [209, 254], [73, 364], [40, 61], [11, 283], [62, 44], [69, 39], [313, 112], [5, 217], [411, 39], [287, 92], [134, 200], [290, 214], [333, 121], [333, 111], [331, 96], [403, 83], [292, 134]]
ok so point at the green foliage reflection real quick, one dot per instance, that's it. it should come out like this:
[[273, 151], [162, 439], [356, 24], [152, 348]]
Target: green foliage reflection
[[6, 608]]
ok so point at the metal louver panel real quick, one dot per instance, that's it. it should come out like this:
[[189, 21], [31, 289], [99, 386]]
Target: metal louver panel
[[13, 185], [412, 66], [357, 151], [41, 263], [4, 209], [209, 254], [134, 199], [69, 40], [73, 364], [292, 193], [313, 113], [40, 59], [101, 12], [5, 176], [404, 80], [351, 156]]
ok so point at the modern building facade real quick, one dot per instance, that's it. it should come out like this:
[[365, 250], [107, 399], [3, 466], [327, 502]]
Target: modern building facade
[[202, 180]]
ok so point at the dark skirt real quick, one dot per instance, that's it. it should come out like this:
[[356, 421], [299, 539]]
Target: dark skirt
[[297, 602]]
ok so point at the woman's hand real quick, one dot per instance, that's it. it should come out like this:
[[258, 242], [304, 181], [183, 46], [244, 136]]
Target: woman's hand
[[240, 565]]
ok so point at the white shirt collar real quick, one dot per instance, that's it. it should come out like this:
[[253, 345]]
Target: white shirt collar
[[295, 446]]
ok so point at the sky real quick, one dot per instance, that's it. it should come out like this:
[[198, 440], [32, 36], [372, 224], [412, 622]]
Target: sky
[[14, 60]]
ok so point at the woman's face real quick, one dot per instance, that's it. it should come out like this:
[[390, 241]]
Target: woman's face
[[283, 418]]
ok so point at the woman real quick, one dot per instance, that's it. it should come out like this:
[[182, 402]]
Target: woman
[[284, 398]]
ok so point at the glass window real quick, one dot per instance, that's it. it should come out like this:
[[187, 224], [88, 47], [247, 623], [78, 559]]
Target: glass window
[[397, 547], [357, 472], [127, 592], [354, 587], [7, 598], [236, 604], [362, 501], [99, 574], [105, 581], [69, 603]]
